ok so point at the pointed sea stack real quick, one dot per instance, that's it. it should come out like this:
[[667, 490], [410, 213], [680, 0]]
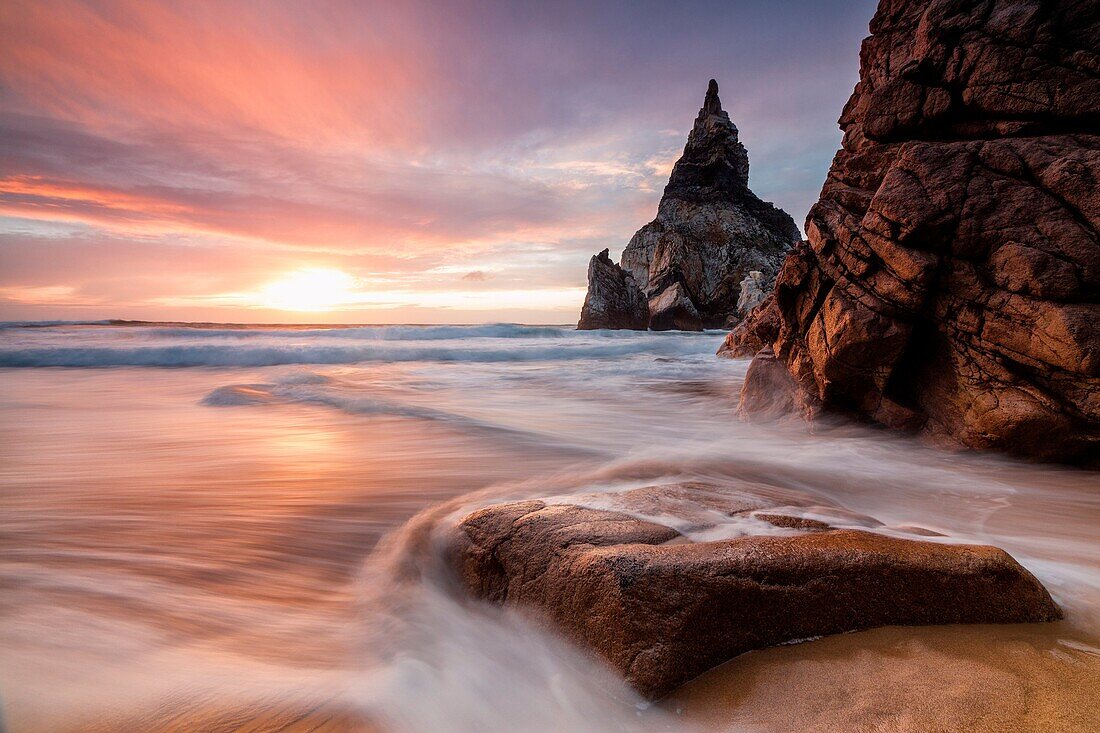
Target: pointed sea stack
[[951, 279], [711, 231]]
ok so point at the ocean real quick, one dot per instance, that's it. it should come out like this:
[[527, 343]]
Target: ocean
[[214, 527]]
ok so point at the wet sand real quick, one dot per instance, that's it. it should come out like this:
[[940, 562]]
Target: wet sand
[[262, 716], [980, 679]]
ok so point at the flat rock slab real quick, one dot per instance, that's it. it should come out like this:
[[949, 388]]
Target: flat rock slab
[[622, 575]]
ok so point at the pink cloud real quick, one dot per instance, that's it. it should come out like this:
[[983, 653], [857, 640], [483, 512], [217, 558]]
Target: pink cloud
[[195, 148]]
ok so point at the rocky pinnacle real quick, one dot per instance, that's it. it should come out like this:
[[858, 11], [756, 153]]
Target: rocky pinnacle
[[710, 232]]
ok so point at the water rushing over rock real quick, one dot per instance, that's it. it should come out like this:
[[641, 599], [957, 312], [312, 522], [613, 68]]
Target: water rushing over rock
[[666, 581], [710, 233]]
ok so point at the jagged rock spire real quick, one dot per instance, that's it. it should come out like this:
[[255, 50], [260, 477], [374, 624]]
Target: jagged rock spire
[[715, 163], [684, 269], [712, 105]]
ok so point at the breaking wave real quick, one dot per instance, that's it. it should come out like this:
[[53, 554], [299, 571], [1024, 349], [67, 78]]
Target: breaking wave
[[359, 333], [113, 346]]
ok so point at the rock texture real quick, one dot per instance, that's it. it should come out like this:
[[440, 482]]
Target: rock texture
[[710, 232], [662, 605], [754, 288], [951, 279], [757, 331], [614, 300]]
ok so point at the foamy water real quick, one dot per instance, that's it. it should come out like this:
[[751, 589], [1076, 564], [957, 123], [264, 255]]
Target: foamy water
[[219, 518]]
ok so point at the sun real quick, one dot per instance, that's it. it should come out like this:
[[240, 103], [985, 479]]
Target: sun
[[310, 289]]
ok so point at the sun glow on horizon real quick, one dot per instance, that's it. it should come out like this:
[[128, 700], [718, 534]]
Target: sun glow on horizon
[[310, 289]]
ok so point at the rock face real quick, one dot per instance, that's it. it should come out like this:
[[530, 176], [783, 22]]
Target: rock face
[[710, 232], [757, 331], [754, 288], [613, 299], [662, 605], [951, 279]]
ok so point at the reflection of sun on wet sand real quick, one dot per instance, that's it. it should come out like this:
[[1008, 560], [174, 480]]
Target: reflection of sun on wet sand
[[979, 679], [215, 716]]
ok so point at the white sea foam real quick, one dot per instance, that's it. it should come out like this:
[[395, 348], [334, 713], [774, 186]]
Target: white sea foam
[[119, 346]]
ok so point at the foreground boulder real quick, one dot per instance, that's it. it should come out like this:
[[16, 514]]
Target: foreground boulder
[[951, 280], [645, 579], [613, 299], [710, 233]]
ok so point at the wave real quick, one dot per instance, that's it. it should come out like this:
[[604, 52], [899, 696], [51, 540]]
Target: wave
[[368, 333], [310, 389], [235, 395], [274, 354], [200, 331]]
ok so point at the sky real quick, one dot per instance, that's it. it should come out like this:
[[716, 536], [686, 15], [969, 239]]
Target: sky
[[379, 162]]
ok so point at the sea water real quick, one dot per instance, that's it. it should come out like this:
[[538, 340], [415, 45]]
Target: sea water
[[210, 523]]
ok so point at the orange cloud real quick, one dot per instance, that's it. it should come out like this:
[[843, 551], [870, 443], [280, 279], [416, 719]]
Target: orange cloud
[[197, 66]]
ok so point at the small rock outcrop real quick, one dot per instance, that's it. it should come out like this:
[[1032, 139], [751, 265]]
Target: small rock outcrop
[[951, 279], [613, 299], [662, 605], [711, 231], [757, 331], [754, 288]]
